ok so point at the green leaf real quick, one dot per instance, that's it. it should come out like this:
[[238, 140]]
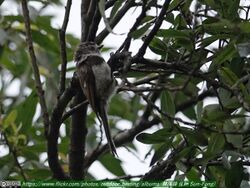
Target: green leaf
[[217, 173], [26, 110], [45, 41], [44, 22], [215, 144], [215, 26], [170, 18], [209, 40], [237, 66], [160, 152], [193, 174], [235, 175], [244, 27], [199, 110], [115, 8], [167, 103], [186, 152], [162, 135], [227, 100], [196, 137], [236, 140], [174, 33], [174, 4], [158, 46], [114, 166], [213, 114], [12, 18], [225, 54], [116, 110], [228, 76], [38, 174], [139, 32], [10, 119], [5, 170]]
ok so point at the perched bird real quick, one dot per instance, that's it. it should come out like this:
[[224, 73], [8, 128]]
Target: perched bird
[[97, 83]]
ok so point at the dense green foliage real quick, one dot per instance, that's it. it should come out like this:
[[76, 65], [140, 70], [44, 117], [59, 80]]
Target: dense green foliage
[[200, 85]]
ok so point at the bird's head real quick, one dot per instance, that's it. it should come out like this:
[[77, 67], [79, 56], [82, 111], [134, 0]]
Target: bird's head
[[86, 49]]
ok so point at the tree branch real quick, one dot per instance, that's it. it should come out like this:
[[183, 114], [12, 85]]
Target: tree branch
[[96, 20], [155, 29], [126, 43], [66, 115], [53, 134], [115, 21], [94, 25], [93, 20], [38, 82], [62, 32], [120, 139], [15, 156], [78, 138], [164, 169], [84, 19]]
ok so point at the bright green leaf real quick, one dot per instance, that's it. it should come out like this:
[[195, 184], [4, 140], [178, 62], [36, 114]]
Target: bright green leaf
[[10, 119]]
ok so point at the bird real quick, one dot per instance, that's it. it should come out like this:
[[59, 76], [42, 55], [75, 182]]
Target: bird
[[97, 83]]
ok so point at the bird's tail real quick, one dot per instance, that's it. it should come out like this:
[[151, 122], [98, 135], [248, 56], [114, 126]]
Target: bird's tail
[[104, 120]]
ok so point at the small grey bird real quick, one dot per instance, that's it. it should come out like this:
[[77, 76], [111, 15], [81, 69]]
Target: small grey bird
[[97, 83]]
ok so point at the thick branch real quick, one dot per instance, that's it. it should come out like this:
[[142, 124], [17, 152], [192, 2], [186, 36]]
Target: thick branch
[[62, 32], [38, 82], [55, 124], [77, 138], [84, 19]]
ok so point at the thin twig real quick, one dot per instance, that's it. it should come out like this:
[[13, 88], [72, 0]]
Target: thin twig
[[127, 41], [33, 61], [73, 110], [120, 14], [155, 29], [125, 177], [94, 25], [62, 32], [15, 156]]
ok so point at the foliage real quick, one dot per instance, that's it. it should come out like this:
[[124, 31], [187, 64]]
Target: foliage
[[196, 92]]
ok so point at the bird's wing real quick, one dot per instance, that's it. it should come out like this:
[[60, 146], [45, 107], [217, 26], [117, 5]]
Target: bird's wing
[[87, 82]]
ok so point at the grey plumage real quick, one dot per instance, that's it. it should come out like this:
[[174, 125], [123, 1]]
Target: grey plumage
[[97, 83]]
